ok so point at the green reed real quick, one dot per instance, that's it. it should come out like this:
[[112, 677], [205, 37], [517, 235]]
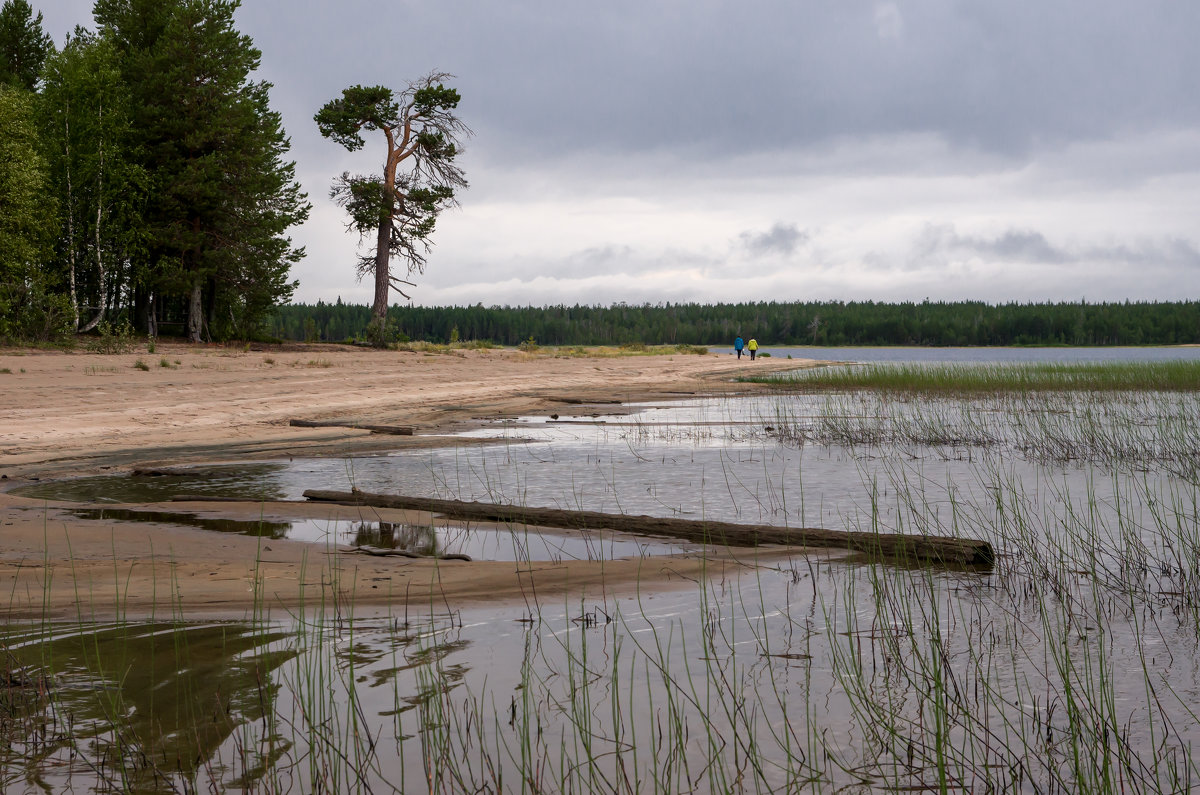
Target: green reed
[[973, 379], [1069, 667]]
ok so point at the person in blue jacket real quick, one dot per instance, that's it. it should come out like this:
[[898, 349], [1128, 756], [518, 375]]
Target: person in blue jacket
[[738, 344]]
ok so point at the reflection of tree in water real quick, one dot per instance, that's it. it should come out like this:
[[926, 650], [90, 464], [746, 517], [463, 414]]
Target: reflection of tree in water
[[255, 527], [146, 704], [418, 539]]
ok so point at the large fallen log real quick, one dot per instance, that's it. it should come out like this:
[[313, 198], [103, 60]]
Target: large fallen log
[[395, 430], [900, 547]]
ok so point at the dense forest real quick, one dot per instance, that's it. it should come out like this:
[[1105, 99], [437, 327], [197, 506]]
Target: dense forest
[[820, 323], [143, 176]]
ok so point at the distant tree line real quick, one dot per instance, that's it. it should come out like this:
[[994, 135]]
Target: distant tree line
[[143, 175], [800, 323]]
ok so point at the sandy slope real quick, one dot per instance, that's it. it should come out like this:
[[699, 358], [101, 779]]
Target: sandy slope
[[64, 414]]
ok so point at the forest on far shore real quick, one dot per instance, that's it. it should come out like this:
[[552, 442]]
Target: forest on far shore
[[776, 323]]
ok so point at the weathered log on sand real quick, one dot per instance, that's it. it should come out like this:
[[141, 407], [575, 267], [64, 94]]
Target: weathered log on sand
[[395, 430], [573, 401], [163, 472], [938, 549], [380, 552]]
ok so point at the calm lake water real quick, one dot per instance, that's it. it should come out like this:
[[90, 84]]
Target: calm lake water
[[1073, 665], [980, 355]]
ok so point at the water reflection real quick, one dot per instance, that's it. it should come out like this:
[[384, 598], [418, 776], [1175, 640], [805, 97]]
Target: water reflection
[[474, 542], [254, 482], [139, 704]]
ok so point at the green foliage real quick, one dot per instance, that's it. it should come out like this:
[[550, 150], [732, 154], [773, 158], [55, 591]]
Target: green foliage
[[86, 133], [854, 323], [111, 338], [359, 108], [151, 179], [29, 307], [397, 209], [23, 45], [140, 365], [380, 332], [221, 195], [31, 312], [529, 345]]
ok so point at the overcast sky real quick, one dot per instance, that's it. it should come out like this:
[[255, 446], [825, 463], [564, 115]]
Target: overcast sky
[[700, 150]]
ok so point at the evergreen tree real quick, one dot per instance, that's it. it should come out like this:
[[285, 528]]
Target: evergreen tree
[[23, 45], [220, 195], [419, 179]]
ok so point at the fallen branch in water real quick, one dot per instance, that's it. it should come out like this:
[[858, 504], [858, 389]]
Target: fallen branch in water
[[901, 547]]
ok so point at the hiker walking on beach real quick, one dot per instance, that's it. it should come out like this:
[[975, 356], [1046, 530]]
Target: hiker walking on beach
[[752, 347], [738, 345]]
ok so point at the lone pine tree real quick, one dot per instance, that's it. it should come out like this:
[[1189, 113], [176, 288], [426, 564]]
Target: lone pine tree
[[420, 175]]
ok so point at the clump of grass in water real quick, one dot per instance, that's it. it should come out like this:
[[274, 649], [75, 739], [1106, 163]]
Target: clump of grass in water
[[967, 379]]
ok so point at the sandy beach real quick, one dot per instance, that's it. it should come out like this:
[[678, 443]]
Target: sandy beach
[[68, 414]]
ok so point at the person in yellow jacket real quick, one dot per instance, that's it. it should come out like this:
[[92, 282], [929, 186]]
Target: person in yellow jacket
[[752, 346]]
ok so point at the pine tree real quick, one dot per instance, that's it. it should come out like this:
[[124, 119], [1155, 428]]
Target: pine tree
[[420, 175], [220, 196], [23, 45]]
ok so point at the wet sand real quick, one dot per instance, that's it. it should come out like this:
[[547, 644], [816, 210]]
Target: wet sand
[[72, 414]]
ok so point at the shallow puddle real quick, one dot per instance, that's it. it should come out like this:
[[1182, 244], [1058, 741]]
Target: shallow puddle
[[255, 482], [476, 542]]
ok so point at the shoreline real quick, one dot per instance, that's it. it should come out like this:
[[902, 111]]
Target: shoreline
[[74, 414]]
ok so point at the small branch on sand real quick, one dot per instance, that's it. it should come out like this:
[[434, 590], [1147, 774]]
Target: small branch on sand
[[895, 546], [395, 430]]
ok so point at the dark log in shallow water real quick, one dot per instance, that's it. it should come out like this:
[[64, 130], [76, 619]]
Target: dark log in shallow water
[[914, 548], [395, 430]]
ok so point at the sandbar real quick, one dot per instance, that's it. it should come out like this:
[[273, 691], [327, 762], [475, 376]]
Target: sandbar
[[72, 413]]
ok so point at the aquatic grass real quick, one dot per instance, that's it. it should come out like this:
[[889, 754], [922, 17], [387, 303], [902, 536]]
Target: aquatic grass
[[1069, 667], [974, 379]]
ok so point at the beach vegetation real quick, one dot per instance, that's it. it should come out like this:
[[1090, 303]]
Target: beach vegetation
[[968, 379]]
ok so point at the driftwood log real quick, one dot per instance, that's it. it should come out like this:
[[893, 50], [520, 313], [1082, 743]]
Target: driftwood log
[[380, 552], [895, 546], [395, 430]]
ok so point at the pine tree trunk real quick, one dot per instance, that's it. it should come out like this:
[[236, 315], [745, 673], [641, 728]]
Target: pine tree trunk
[[382, 276]]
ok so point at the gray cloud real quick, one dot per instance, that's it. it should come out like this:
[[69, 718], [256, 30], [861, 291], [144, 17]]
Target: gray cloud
[[781, 239], [1013, 245], [1030, 246], [642, 151]]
